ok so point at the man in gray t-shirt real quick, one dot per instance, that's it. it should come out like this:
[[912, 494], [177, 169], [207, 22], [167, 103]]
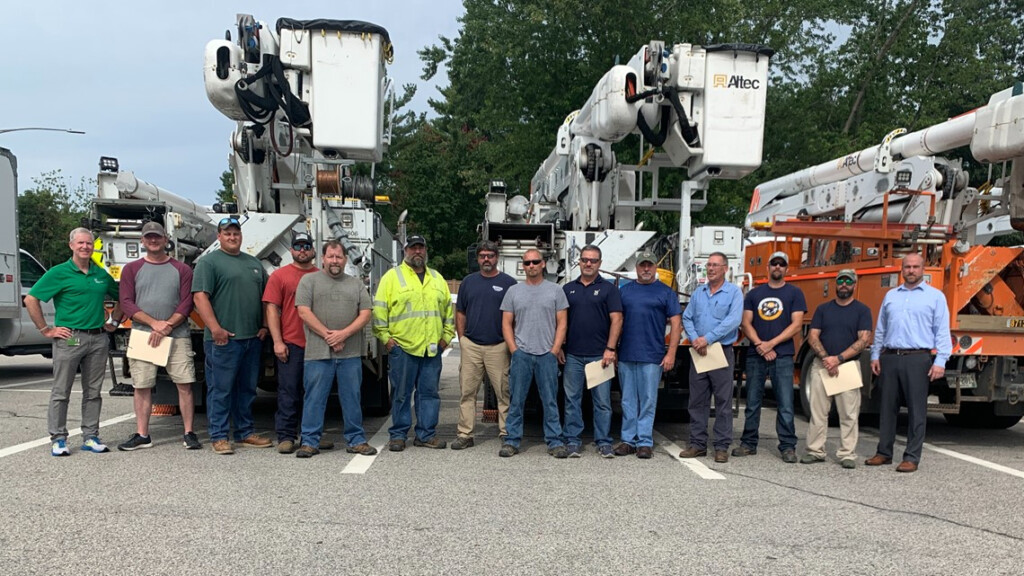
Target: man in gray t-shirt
[[533, 323], [334, 307]]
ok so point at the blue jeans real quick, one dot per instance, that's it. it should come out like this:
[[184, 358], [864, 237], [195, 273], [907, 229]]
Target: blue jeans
[[523, 369], [574, 381], [289, 393], [639, 381], [232, 371], [419, 375], [780, 371], [318, 381]]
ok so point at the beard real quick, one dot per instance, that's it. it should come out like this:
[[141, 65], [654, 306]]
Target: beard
[[417, 261], [303, 257], [844, 293], [335, 269], [486, 267], [776, 274]]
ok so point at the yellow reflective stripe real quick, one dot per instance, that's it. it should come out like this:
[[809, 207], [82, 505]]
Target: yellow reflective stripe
[[380, 304], [379, 322], [401, 277], [416, 314]]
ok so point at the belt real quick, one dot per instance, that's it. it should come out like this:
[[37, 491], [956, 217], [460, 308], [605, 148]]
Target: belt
[[906, 351], [88, 330]]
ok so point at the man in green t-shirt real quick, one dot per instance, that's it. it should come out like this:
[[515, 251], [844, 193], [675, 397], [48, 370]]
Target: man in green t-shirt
[[78, 289], [227, 288]]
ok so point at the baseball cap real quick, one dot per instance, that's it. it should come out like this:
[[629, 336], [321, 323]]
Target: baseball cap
[[646, 256], [153, 228], [228, 222], [415, 240], [847, 273], [780, 256], [300, 238]]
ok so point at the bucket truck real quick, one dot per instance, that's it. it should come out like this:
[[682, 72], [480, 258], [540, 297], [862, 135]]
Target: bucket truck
[[868, 209], [699, 108]]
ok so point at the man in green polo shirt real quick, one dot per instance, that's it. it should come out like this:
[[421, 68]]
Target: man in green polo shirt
[[78, 289]]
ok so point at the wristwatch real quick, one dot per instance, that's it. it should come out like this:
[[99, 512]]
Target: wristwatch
[[609, 348], [840, 357]]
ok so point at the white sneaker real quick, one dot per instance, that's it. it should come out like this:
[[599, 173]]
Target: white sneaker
[[60, 448], [93, 444]]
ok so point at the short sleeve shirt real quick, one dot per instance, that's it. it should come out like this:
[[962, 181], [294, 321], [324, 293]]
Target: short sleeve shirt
[[77, 297], [159, 289], [773, 310], [280, 292], [336, 302], [235, 284], [839, 324], [480, 300], [590, 308], [645, 310], [534, 307]]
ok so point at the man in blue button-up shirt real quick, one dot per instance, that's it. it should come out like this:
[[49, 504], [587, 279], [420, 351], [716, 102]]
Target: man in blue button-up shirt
[[712, 316], [913, 321]]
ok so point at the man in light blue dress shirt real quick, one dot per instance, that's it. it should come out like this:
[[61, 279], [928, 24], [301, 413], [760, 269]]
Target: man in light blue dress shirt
[[712, 316], [913, 322]]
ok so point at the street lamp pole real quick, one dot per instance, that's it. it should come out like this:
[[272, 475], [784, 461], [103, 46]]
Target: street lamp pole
[[68, 130]]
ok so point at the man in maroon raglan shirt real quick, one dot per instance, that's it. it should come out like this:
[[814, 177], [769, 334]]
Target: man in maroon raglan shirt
[[156, 293], [289, 337]]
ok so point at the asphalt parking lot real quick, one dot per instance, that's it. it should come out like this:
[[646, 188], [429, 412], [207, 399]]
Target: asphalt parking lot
[[170, 511]]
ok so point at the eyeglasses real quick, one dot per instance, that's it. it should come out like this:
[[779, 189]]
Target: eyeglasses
[[845, 281], [487, 255], [713, 265], [302, 246], [226, 221], [590, 260], [778, 263], [532, 262]]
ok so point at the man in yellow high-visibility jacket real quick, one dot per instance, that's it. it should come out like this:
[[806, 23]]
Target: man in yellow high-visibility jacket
[[414, 317]]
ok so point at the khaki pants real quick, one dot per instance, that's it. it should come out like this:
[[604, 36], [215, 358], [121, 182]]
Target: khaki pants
[[475, 360], [848, 407]]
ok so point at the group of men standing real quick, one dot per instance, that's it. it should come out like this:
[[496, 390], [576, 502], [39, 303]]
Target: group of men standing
[[514, 332]]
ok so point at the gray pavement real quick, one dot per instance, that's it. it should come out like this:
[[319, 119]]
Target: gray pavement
[[169, 511]]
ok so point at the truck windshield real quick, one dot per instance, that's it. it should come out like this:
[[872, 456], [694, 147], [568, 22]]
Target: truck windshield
[[31, 271]]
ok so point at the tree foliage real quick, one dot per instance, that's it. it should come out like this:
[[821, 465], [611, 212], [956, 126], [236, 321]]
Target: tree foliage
[[226, 193], [48, 211]]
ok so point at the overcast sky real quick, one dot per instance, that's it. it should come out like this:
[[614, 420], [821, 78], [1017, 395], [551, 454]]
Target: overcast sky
[[129, 74]]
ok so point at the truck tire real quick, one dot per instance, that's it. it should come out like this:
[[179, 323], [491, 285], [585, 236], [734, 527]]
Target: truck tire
[[981, 415]]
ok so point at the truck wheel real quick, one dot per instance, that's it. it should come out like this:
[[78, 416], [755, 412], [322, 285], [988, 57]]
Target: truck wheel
[[981, 415]]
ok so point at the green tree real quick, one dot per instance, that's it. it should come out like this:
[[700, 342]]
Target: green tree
[[48, 211], [226, 193]]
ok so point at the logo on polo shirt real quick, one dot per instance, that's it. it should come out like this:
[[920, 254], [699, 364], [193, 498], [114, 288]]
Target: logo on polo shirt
[[498, 288], [596, 292], [769, 309]]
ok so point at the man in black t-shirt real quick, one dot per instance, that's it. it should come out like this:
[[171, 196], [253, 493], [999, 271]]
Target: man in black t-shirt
[[481, 344], [772, 314], [840, 331]]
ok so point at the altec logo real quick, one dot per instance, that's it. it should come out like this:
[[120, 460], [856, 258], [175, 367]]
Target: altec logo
[[735, 81]]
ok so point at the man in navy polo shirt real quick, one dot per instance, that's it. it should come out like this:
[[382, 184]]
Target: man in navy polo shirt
[[595, 323]]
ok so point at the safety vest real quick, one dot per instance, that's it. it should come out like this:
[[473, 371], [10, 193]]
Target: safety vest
[[416, 314]]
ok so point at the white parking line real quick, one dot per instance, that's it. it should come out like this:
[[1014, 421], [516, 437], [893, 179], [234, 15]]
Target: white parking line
[[44, 441], [29, 383], [967, 458], [360, 464], [695, 466], [446, 352]]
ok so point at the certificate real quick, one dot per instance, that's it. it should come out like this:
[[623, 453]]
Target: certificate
[[713, 360], [139, 348], [598, 375], [847, 379]]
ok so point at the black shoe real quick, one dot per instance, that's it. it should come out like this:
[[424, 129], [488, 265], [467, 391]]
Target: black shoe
[[645, 452], [396, 444], [462, 442], [507, 451], [789, 456], [742, 450], [559, 452], [191, 442], [623, 449], [135, 442]]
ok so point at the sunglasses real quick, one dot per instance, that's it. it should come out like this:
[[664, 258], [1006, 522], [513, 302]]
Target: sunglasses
[[532, 262], [845, 281], [226, 221], [302, 246], [487, 256], [778, 263], [590, 260]]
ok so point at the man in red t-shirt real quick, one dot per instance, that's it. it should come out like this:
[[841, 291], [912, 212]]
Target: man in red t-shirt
[[289, 340]]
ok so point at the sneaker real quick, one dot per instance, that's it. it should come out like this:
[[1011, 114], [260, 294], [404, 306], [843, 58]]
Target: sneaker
[[363, 449], [306, 451], [605, 450], [848, 463], [326, 444], [810, 459], [223, 447], [508, 450], [435, 443], [623, 449], [461, 443], [575, 451], [135, 442], [645, 452], [60, 448], [256, 441], [286, 446], [191, 442], [789, 456], [396, 444], [742, 450], [558, 452], [93, 444]]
